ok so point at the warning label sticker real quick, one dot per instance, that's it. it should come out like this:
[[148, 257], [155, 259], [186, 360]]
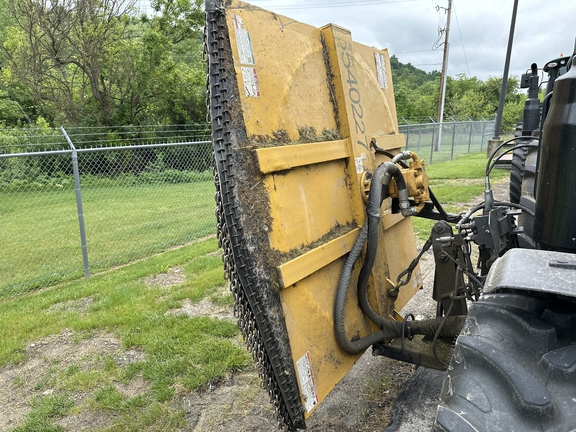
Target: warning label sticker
[[359, 163], [243, 42], [381, 70], [307, 383], [250, 78]]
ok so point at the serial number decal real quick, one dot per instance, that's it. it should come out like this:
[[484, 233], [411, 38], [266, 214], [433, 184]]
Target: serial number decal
[[243, 42], [347, 57], [360, 163], [307, 384], [250, 78]]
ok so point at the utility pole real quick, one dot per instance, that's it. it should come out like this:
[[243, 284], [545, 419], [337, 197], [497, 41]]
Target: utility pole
[[496, 141], [498, 124], [443, 77]]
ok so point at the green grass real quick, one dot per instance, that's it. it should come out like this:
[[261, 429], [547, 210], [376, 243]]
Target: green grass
[[44, 409], [472, 166], [40, 229], [455, 183], [180, 351]]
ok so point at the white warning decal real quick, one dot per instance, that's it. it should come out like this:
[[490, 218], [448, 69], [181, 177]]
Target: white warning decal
[[250, 78], [307, 383], [243, 42], [359, 164], [381, 70]]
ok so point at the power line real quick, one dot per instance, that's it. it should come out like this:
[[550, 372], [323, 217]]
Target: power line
[[446, 32], [410, 52], [332, 5], [462, 41], [441, 28]]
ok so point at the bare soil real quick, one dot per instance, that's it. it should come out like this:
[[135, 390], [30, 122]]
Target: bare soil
[[36, 377]]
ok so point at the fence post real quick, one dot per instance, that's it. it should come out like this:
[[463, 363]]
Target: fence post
[[433, 136], [469, 136], [78, 203], [407, 133], [419, 139], [483, 130], [453, 137]]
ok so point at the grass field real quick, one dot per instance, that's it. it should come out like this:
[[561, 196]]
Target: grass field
[[40, 229], [176, 353]]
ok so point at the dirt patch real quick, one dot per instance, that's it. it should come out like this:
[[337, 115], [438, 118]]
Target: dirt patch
[[203, 308], [80, 305], [456, 182], [174, 276], [236, 404], [53, 356]]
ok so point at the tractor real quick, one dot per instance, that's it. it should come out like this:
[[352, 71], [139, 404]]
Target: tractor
[[315, 199]]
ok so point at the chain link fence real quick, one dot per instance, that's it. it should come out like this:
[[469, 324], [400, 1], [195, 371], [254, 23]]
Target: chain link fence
[[83, 200], [456, 138]]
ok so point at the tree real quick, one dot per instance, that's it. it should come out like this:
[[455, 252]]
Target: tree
[[94, 62], [417, 94], [179, 20], [64, 52]]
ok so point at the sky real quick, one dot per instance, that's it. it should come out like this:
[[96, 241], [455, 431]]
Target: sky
[[479, 30]]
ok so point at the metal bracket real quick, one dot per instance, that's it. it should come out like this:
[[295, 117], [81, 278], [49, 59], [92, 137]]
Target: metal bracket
[[446, 278]]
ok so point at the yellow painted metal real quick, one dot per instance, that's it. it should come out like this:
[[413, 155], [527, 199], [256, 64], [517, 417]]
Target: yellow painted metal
[[294, 78], [272, 159], [390, 142], [287, 60], [307, 204], [310, 325], [304, 265]]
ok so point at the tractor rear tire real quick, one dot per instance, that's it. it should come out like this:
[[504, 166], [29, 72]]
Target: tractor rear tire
[[517, 168], [513, 367], [517, 173]]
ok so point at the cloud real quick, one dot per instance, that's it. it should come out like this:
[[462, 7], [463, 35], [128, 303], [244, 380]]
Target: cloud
[[478, 35]]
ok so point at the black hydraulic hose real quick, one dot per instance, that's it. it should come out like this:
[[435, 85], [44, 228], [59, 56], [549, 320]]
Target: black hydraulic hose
[[378, 188], [511, 149], [369, 233], [514, 205], [390, 329], [493, 155], [373, 210], [362, 286], [351, 346]]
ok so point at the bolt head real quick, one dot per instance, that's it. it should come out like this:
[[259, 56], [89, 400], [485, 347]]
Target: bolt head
[[439, 228]]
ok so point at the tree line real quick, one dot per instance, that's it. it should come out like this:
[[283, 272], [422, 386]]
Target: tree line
[[417, 94], [105, 63], [101, 62]]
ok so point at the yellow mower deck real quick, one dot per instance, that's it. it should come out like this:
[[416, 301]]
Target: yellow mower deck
[[294, 110]]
